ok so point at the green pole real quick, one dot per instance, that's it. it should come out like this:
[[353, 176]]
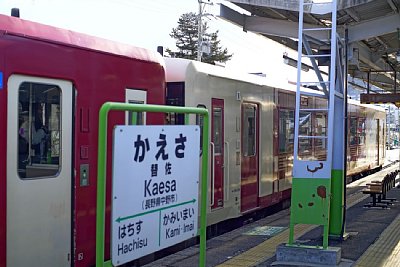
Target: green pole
[[186, 119], [101, 185], [102, 170], [337, 204], [204, 190], [134, 118]]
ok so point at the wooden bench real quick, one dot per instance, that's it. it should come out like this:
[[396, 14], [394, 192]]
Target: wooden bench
[[378, 189]]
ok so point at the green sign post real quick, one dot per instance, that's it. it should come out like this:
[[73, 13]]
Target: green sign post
[[102, 168], [319, 147]]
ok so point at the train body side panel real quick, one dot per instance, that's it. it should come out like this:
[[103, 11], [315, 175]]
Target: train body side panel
[[3, 149], [276, 104], [375, 137], [201, 85], [366, 138], [264, 96], [200, 88], [97, 77]]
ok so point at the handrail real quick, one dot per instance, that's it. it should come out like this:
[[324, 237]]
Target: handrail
[[212, 173], [226, 167]]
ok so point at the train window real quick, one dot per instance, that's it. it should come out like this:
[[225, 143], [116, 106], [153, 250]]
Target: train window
[[305, 123], [217, 132], [353, 131], [175, 96], [39, 131], [320, 144], [249, 130], [305, 143], [361, 131], [321, 121], [286, 100], [135, 118], [304, 101], [305, 148], [286, 130], [321, 103]]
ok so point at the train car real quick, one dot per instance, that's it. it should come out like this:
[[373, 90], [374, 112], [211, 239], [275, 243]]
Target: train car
[[52, 85], [252, 134], [366, 139]]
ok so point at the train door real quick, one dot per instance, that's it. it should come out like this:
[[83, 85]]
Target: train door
[[377, 141], [383, 140], [249, 164], [133, 96], [217, 153], [39, 177]]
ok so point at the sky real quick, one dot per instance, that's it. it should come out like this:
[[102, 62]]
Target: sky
[[148, 23]]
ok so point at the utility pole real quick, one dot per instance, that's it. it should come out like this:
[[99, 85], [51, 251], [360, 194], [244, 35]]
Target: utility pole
[[200, 30], [200, 27]]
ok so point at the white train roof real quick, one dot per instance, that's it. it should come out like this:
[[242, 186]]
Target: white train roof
[[176, 72], [176, 69], [371, 106]]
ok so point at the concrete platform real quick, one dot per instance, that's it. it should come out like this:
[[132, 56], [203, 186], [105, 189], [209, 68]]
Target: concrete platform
[[304, 254], [366, 226]]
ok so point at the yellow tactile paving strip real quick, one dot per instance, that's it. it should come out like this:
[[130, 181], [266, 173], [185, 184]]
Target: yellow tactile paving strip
[[267, 249], [385, 252]]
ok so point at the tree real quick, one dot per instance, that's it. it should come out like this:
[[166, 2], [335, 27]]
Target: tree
[[186, 35]]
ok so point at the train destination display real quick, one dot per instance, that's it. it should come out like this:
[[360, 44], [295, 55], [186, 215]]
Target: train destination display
[[155, 189]]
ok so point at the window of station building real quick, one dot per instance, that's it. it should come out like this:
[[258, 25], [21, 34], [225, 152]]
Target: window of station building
[[249, 130], [39, 132], [286, 130], [353, 131]]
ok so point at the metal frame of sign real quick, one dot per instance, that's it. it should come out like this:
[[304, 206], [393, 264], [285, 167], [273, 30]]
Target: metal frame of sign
[[102, 168]]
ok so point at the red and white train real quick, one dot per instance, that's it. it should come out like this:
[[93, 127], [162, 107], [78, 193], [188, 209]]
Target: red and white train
[[252, 131], [52, 84]]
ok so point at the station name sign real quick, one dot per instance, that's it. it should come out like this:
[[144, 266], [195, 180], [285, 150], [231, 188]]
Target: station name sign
[[154, 190]]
